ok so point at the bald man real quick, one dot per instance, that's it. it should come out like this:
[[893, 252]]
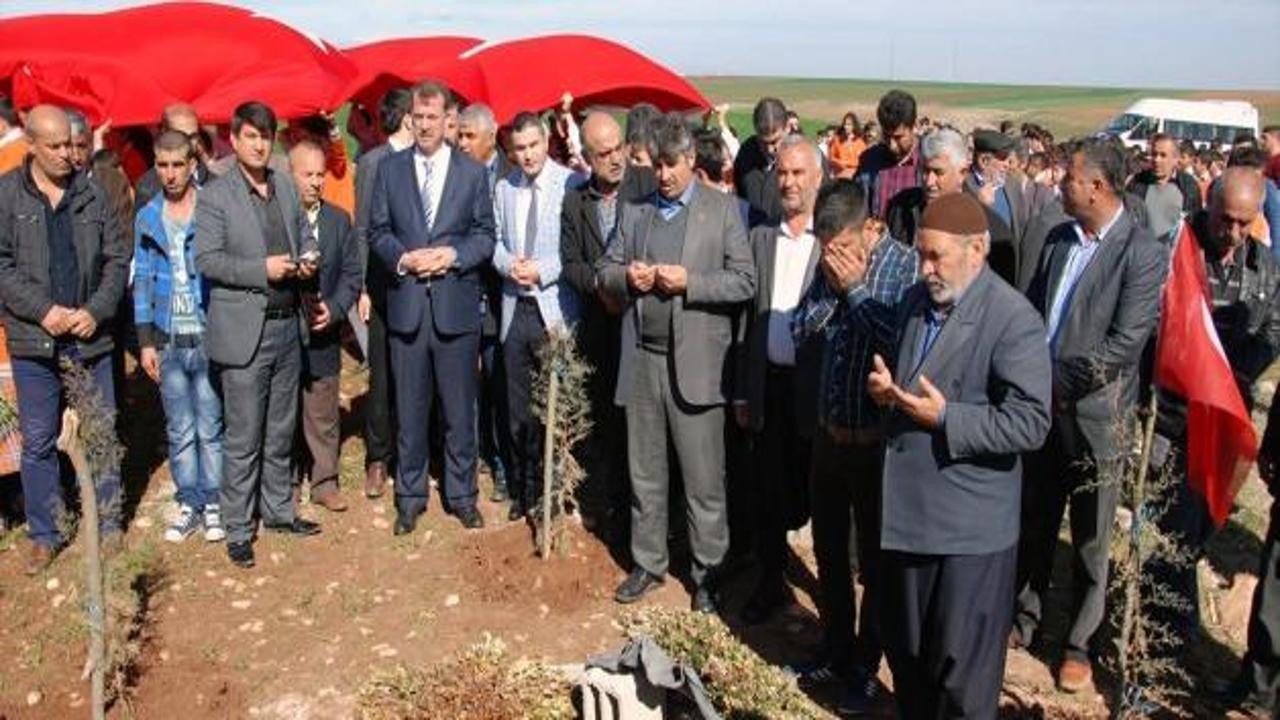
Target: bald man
[[64, 263], [327, 297], [1244, 279], [179, 117], [587, 220]]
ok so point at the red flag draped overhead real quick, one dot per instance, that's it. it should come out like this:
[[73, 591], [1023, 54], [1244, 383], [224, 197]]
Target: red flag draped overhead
[[403, 61], [533, 74], [1221, 442], [127, 64]]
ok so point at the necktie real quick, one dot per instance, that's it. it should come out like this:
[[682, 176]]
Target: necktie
[[531, 222], [426, 195]]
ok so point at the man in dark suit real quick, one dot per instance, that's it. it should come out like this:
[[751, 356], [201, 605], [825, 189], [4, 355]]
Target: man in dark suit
[[989, 181], [1098, 288], [248, 247], [326, 298], [967, 390], [588, 217], [681, 266], [478, 137], [754, 175], [944, 158], [431, 225], [379, 409], [776, 387]]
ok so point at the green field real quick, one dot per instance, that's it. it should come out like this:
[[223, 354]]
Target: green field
[[1066, 111]]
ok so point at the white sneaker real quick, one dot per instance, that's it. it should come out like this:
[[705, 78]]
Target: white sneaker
[[213, 531], [186, 523]]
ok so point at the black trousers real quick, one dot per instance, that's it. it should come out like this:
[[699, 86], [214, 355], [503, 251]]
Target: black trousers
[[946, 626], [1051, 477], [379, 407], [781, 497], [494, 424], [1261, 663], [842, 476], [526, 337]]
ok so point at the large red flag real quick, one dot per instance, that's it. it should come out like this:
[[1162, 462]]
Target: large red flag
[[1221, 442]]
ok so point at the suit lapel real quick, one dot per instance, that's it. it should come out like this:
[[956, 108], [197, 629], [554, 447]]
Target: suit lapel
[[591, 218], [956, 333], [289, 209], [693, 227], [1057, 265], [1108, 252], [912, 335]]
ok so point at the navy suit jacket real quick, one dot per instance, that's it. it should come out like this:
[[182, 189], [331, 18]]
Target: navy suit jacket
[[464, 221]]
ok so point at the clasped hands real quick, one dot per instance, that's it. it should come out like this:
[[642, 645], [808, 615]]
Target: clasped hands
[[925, 409], [666, 279], [428, 262], [60, 320], [524, 271]]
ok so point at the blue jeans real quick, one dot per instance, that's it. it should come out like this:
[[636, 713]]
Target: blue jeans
[[40, 404], [193, 423]]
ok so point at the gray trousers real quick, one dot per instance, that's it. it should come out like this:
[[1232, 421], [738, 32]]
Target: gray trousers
[[654, 413], [260, 405]]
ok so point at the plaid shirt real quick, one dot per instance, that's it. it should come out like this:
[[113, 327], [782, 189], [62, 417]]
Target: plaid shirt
[[843, 402]]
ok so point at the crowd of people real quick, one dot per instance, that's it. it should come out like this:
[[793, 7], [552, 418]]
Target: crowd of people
[[914, 337]]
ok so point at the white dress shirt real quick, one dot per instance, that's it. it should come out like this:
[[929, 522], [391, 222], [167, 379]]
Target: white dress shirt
[[790, 261], [524, 196], [439, 171]]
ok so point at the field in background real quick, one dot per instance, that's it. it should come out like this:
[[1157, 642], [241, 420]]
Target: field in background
[[1066, 111]]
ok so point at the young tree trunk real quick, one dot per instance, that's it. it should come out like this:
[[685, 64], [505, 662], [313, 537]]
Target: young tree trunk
[[96, 663]]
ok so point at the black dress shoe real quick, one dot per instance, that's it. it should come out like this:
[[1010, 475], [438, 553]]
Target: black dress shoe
[[705, 600], [636, 586], [297, 527], [405, 524], [241, 554], [470, 518], [517, 511]]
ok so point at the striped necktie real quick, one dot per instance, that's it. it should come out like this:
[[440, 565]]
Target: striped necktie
[[427, 194]]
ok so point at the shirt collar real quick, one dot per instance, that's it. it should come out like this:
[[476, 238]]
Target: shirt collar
[[441, 154], [1083, 236], [395, 146], [785, 228], [683, 201], [313, 214], [253, 189]]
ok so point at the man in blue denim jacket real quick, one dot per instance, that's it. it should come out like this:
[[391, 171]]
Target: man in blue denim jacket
[[169, 301]]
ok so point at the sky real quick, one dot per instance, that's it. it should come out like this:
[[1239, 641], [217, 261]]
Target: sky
[[1201, 44]]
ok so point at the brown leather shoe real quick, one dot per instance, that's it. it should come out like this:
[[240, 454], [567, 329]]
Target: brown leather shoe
[[331, 500], [38, 558], [1075, 675], [375, 479]]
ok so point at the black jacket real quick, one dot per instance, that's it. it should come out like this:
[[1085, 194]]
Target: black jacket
[[338, 282], [102, 253], [757, 182], [582, 243]]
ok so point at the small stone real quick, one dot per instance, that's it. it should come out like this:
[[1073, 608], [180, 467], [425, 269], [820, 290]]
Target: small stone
[[413, 556], [172, 610], [241, 604], [331, 587], [277, 557], [210, 574], [260, 582], [381, 523], [379, 510], [308, 622], [164, 656], [365, 632], [543, 610], [240, 587], [58, 600], [426, 536], [34, 697], [52, 584], [257, 626], [143, 522], [388, 652], [378, 600], [289, 612], [352, 531], [328, 661], [244, 627], [537, 583], [412, 634], [452, 600], [228, 583]]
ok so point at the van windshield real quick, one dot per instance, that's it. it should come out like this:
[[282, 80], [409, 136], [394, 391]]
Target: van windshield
[[1124, 123]]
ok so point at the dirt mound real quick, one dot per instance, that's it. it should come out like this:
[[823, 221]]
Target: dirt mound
[[502, 566]]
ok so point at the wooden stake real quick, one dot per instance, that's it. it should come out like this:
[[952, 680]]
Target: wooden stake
[[548, 459], [1132, 590]]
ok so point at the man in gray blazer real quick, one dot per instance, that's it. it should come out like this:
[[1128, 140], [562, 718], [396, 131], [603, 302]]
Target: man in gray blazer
[[1098, 288], [967, 388], [248, 225], [776, 391], [681, 266]]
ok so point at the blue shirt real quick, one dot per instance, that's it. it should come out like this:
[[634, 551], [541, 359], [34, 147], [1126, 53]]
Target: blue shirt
[[669, 208], [1078, 258]]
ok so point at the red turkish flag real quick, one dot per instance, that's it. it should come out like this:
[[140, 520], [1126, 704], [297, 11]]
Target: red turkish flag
[[1221, 442]]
